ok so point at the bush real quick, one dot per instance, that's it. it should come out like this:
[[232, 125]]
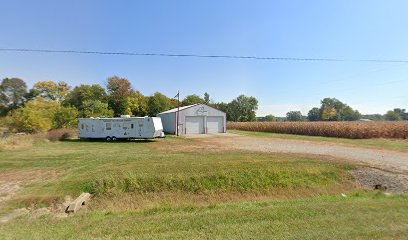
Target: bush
[[35, 116], [65, 117], [61, 134], [40, 115]]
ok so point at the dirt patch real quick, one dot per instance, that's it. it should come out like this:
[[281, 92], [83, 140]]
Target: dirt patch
[[372, 178], [191, 145], [13, 214], [56, 210], [12, 182], [8, 190]]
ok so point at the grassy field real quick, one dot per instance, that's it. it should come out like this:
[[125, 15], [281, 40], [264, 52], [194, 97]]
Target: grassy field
[[356, 217], [153, 189], [391, 144]]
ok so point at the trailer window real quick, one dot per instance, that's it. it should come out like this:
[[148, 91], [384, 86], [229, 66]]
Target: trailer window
[[108, 126], [131, 126], [82, 126]]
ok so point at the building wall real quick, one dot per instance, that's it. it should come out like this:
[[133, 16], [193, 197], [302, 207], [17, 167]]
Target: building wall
[[169, 124]]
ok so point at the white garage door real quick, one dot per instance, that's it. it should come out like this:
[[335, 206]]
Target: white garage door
[[215, 124], [194, 125]]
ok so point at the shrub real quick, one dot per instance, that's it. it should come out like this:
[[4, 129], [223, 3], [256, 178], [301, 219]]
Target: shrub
[[40, 115], [61, 134], [65, 117], [35, 116]]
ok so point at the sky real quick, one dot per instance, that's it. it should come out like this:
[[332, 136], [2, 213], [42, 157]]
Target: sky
[[341, 29]]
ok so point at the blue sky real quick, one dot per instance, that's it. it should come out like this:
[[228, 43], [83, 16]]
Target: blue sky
[[305, 29]]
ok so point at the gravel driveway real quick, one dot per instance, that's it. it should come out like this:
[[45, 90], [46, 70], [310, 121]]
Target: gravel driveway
[[385, 167]]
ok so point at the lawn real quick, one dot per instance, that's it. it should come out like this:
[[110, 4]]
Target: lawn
[[356, 217], [391, 144], [151, 189]]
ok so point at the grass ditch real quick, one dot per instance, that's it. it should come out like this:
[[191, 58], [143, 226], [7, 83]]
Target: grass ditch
[[107, 169], [234, 181], [358, 216]]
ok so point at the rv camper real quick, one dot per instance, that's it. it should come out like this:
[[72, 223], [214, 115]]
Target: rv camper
[[125, 127]]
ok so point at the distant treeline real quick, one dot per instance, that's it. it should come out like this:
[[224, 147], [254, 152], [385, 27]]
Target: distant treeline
[[51, 105], [331, 109]]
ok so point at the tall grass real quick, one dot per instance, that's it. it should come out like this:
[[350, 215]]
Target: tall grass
[[218, 181], [15, 141], [61, 134], [354, 130]]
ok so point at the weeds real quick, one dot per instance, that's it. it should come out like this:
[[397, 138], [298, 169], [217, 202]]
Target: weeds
[[61, 134], [257, 180]]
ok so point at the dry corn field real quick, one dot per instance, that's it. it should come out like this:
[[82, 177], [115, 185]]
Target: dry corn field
[[355, 130]]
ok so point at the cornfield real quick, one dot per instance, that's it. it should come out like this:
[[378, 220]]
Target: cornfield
[[355, 130]]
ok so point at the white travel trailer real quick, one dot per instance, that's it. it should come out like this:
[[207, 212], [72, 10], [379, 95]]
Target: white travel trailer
[[125, 127]]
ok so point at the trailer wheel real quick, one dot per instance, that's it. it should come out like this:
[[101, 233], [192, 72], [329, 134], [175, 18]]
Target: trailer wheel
[[108, 139], [114, 139]]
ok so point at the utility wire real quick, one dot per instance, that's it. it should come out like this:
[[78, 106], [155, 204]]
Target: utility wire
[[202, 56]]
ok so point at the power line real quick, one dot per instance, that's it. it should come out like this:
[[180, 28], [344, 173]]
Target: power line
[[202, 56]]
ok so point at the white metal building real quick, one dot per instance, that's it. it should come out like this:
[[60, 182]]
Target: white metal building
[[194, 119]]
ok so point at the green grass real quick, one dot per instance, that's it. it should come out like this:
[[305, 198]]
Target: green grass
[[146, 190], [140, 167], [391, 144], [366, 216]]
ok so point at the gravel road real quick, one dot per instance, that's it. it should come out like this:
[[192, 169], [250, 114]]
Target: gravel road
[[385, 167]]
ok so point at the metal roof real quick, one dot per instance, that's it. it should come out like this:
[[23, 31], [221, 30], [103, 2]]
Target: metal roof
[[181, 108]]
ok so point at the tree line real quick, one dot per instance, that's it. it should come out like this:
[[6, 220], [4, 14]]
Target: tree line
[[332, 109], [50, 105]]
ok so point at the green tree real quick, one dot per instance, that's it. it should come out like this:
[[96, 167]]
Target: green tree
[[158, 103], [137, 104], [330, 109], [348, 114], [65, 117], [95, 108], [294, 116], [51, 91], [192, 99], [222, 107], [12, 94], [329, 114], [83, 93], [35, 116], [392, 116], [402, 112], [242, 109], [314, 114], [334, 110], [270, 118], [119, 90], [206, 98]]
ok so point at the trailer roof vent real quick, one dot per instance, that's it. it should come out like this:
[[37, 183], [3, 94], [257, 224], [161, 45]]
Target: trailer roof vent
[[125, 116]]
